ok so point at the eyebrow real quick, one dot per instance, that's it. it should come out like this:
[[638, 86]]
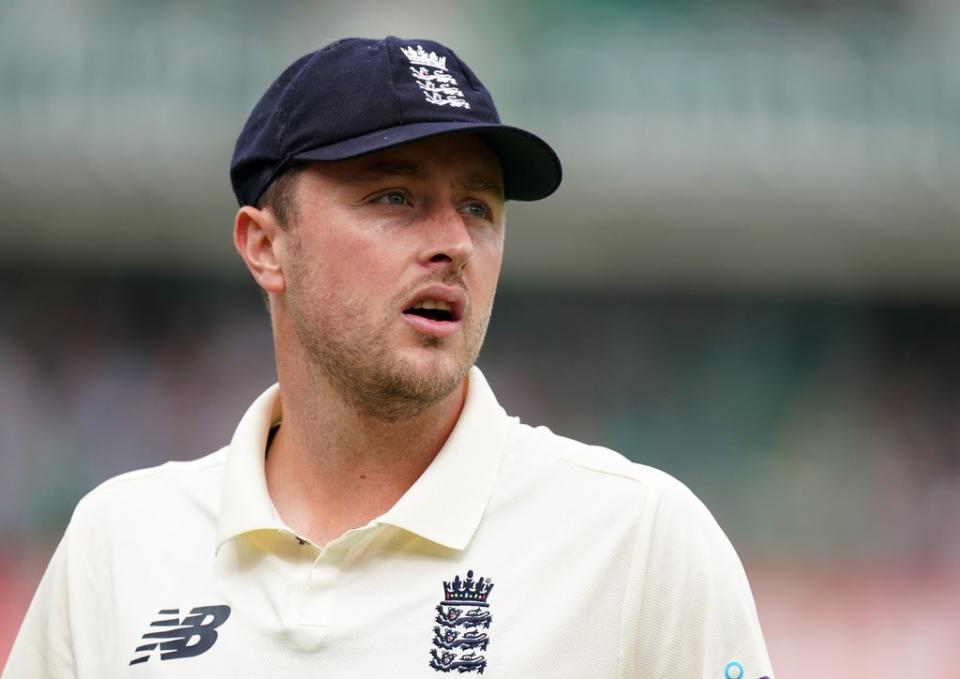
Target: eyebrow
[[387, 169], [481, 184]]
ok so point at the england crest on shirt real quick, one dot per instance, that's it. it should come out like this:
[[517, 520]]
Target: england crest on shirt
[[461, 635]]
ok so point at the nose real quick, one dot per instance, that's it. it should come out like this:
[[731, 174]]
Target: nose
[[448, 242]]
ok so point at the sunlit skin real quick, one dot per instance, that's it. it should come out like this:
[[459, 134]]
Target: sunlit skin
[[370, 389]]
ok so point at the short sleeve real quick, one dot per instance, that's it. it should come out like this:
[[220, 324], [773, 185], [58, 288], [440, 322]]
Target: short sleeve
[[688, 611], [43, 648]]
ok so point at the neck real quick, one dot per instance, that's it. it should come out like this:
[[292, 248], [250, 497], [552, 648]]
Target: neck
[[332, 467]]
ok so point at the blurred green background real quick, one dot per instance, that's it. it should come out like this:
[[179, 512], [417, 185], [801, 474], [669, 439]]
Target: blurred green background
[[750, 277]]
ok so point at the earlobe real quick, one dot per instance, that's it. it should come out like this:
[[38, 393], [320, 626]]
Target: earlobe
[[254, 234]]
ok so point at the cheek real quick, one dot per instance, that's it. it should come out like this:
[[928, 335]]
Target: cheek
[[312, 276], [359, 273], [487, 270]]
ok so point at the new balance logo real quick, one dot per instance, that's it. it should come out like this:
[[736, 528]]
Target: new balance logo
[[177, 638]]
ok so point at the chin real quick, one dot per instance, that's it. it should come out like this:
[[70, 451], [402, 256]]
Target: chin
[[405, 392], [436, 372]]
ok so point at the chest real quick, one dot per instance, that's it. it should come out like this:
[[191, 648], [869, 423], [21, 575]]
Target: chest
[[390, 605]]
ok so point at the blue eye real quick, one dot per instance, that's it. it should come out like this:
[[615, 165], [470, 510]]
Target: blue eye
[[393, 198], [478, 210]]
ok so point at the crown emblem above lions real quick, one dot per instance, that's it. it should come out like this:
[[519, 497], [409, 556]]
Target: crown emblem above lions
[[468, 590], [461, 634], [424, 58], [439, 87]]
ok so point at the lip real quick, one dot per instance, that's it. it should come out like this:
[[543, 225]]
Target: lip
[[453, 296]]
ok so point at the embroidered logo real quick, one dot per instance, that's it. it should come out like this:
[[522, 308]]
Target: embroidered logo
[[463, 617], [430, 70], [177, 638]]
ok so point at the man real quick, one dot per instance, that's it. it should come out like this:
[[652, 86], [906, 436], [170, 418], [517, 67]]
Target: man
[[377, 514]]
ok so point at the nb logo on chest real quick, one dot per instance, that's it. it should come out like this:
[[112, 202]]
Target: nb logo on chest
[[186, 638]]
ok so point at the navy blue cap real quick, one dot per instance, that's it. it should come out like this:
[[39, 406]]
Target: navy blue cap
[[357, 95]]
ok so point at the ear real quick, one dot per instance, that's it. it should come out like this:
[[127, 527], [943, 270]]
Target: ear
[[254, 233]]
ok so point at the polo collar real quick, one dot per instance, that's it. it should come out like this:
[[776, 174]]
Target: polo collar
[[245, 505], [445, 505], [463, 472]]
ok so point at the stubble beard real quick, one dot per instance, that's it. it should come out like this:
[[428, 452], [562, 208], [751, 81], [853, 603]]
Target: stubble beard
[[357, 360]]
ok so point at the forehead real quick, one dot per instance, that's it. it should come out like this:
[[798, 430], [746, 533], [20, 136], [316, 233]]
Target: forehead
[[464, 157]]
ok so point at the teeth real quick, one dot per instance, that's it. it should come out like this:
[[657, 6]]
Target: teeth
[[433, 304]]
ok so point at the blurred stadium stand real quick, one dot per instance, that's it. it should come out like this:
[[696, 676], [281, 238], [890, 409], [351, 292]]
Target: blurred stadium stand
[[750, 278]]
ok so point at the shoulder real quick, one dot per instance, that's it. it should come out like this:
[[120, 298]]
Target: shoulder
[[660, 519], [600, 486], [166, 477], [539, 449], [145, 496]]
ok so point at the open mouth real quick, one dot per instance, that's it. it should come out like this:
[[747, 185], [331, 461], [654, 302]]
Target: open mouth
[[433, 309]]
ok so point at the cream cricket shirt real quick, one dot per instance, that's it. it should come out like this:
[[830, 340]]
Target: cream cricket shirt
[[518, 553]]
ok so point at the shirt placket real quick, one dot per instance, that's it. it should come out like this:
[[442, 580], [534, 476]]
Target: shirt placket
[[312, 610]]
